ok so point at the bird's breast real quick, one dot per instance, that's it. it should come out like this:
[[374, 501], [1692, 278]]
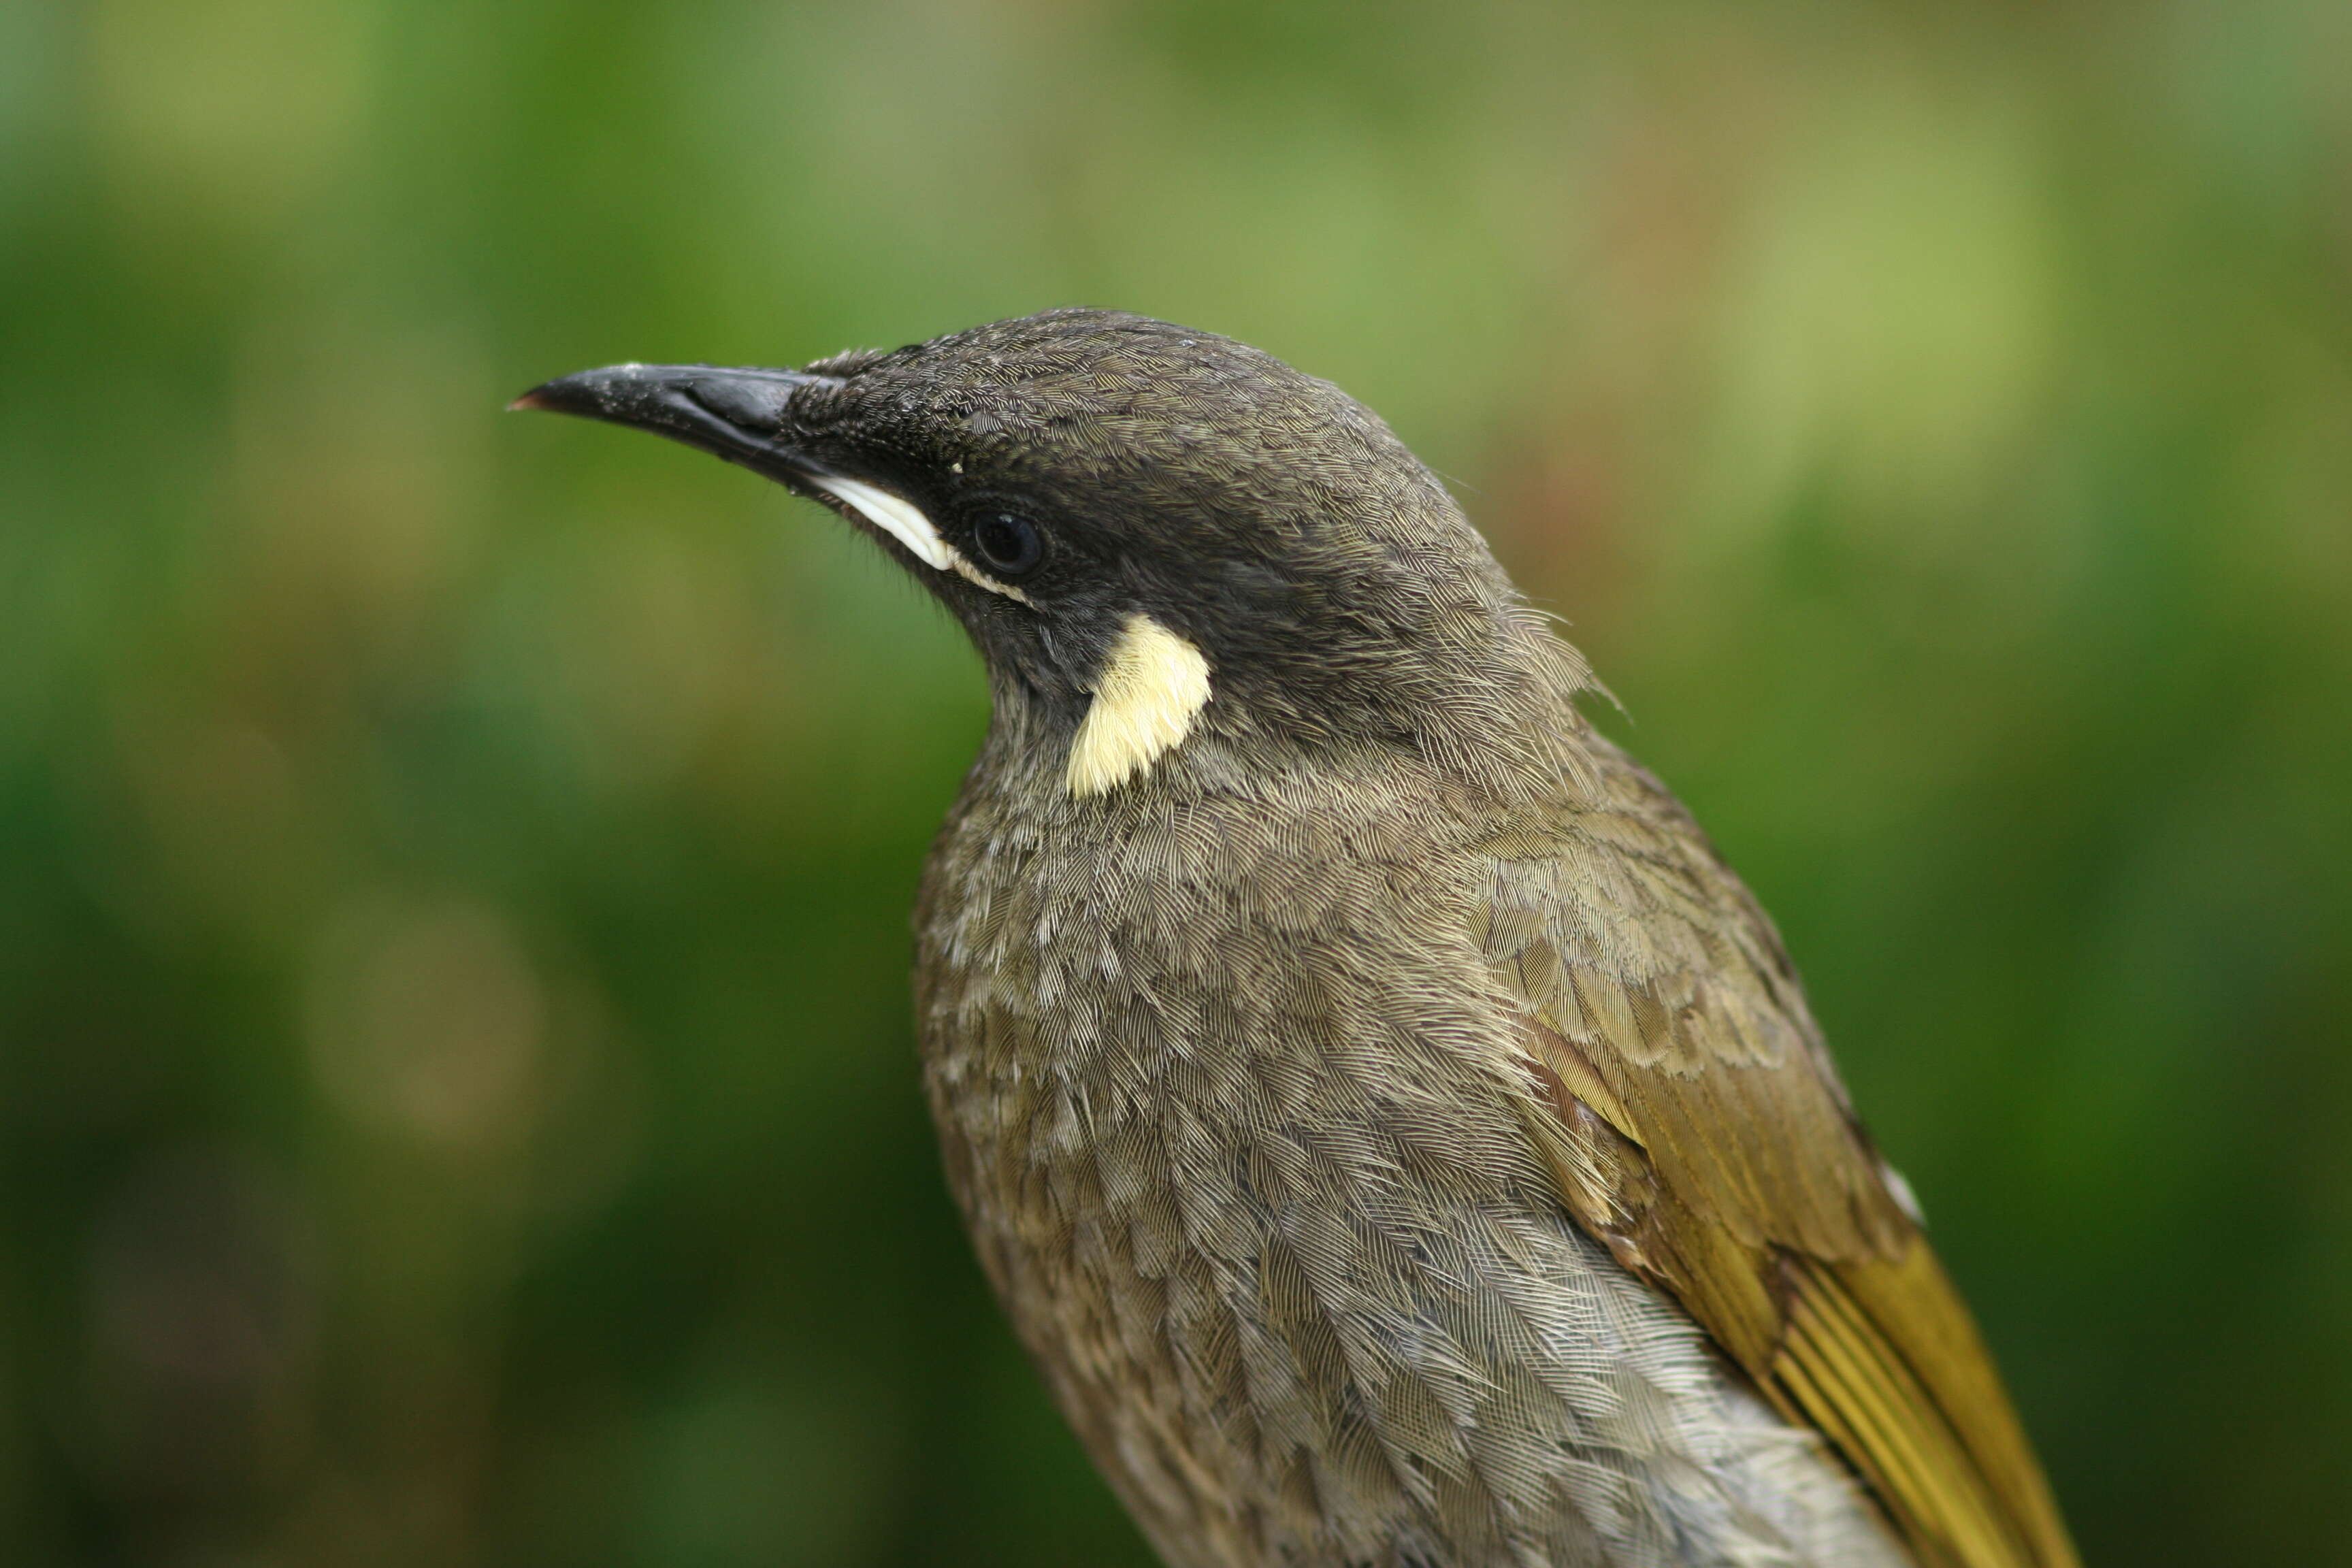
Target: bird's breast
[[1233, 1116]]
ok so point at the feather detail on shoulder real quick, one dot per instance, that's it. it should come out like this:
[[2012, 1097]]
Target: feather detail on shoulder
[[1690, 1113]]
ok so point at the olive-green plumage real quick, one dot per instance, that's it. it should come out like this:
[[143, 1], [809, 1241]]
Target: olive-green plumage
[[1398, 1138]]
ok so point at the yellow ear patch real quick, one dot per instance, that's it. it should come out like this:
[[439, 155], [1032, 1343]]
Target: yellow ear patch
[[1150, 688]]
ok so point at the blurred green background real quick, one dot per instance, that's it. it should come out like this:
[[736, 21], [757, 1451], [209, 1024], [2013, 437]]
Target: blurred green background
[[456, 1102]]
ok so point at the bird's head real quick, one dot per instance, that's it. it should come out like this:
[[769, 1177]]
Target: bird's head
[[1152, 535]]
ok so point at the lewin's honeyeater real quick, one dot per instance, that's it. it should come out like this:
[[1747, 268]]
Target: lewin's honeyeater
[[1399, 1139]]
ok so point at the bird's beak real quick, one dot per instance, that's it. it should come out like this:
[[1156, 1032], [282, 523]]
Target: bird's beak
[[738, 415]]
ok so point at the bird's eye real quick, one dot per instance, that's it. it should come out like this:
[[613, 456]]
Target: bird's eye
[[1007, 543]]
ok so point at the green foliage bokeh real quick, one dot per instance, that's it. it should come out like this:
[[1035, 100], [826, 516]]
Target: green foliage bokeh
[[457, 1101]]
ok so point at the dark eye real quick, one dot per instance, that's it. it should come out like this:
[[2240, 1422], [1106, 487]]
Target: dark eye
[[1007, 543]]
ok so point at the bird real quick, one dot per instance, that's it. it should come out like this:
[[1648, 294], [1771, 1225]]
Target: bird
[[1396, 1136]]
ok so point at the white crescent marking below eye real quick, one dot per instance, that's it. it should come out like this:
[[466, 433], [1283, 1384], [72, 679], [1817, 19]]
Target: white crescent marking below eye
[[898, 518]]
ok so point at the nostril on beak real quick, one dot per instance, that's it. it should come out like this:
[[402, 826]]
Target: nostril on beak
[[746, 404]]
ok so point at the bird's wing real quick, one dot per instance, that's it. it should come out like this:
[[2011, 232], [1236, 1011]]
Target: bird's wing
[[1699, 1131]]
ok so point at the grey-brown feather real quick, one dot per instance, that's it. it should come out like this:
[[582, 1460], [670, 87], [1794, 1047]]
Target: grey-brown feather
[[1238, 1117]]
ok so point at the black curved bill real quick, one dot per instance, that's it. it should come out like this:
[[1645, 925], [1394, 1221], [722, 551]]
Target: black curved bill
[[738, 415]]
